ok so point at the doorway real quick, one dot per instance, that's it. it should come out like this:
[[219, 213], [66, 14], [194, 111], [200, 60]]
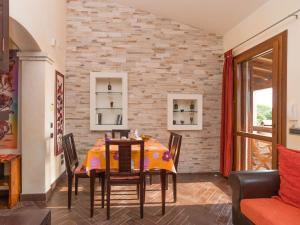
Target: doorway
[[260, 104]]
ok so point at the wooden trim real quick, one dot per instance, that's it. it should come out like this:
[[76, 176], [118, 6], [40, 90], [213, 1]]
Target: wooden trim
[[258, 49], [255, 136], [279, 45], [262, 129], [14, 182], [283, 88]]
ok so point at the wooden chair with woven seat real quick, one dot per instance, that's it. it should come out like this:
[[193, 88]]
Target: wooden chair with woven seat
[[121, 133], [125, 174], [174, 148], [76, 170], [118, 134]]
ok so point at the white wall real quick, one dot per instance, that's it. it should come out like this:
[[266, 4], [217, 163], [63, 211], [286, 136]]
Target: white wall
[[268, 14], [53, 167], [43, 21], [40, 166], [33, 156]]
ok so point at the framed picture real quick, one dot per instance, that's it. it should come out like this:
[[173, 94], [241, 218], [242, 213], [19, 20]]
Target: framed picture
[[9, 104], [59, 112]]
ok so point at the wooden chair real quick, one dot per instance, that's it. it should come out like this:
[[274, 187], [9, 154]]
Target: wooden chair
[[174, 148], [125, 174], [77, 171], [122, 133]]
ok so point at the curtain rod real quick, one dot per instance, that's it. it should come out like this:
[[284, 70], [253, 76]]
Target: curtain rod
[[293, 14]]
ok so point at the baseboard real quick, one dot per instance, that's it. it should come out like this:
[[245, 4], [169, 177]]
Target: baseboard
[[33, 197], [201, 173], [42, 197]]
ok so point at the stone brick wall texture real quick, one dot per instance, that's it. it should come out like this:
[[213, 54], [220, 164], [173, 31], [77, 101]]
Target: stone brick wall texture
[[161, 56]]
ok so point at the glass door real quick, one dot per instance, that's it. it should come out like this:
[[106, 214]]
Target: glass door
[[259, 103]]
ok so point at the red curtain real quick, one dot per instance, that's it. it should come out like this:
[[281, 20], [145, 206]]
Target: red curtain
[[227, 116]]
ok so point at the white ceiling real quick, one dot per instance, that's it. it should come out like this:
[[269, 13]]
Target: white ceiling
[[216, 16]]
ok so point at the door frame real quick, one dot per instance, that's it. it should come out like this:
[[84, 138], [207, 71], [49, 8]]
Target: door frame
[[279, 45]]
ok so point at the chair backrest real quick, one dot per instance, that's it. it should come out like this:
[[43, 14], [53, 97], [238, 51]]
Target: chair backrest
[[70, 153], [124, 154], [122, 133], [174, 147]]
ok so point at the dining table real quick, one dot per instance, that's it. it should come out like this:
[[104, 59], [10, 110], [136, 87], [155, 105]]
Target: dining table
[[156, 157]]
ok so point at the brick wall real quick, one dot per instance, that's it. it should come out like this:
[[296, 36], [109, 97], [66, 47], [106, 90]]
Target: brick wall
[[160, 56]]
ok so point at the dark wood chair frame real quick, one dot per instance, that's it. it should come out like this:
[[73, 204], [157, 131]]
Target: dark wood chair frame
[[72, 164], [123, 133], [125, 174], [174, 144]]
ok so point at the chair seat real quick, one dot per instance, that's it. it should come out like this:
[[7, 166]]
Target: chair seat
[[81, 171], [270, 211], [121, 180], [124, 178]]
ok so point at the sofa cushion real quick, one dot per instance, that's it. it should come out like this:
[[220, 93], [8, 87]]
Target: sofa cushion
[[289, 167], [270, 211]]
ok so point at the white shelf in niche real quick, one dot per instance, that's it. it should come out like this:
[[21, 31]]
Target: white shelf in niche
[[185, 111], [108, 101]]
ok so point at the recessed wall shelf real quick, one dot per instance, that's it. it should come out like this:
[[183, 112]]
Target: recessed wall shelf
[[184, 112], [108, 100]]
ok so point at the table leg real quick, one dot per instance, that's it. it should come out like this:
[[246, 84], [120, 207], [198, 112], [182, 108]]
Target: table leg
[[92, 190], [163, 190]]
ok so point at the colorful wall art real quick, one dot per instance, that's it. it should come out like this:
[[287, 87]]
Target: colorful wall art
[[59, 112], [9, 105]]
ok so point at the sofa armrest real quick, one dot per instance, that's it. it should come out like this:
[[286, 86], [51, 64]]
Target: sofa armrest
[[252, 184]]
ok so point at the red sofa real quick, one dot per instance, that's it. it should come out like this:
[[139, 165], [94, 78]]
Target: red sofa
[[253, 201]]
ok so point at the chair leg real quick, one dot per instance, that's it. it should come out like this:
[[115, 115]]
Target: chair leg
[[70, 184], [102, 191], [76, 185], [167, 182], [150, 179], [92, 191], [142, 198], [174, 176], [138, 191], [144, 190], [108, 188], [163, 190]]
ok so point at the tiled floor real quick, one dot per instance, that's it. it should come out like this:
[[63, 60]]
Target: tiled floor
[[202, 199]]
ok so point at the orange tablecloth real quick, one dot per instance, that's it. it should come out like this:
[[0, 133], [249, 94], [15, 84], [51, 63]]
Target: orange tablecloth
[[156, 156]]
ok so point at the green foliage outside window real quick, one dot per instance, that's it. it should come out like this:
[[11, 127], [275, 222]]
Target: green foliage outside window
[[264, 112]]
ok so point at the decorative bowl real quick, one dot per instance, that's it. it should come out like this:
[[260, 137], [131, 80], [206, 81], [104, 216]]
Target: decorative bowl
[[145, 137]]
